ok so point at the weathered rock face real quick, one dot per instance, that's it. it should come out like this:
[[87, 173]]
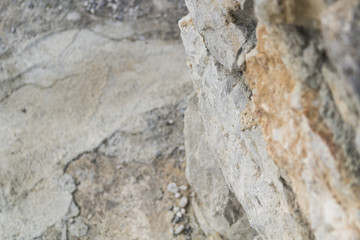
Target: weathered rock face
[[275, 114], [217, 209]]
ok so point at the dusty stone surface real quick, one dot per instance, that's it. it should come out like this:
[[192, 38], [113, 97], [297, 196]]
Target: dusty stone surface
[[217, 209], [282, 126], [228, 31], [91, 119], [92, 102], [239, 151]]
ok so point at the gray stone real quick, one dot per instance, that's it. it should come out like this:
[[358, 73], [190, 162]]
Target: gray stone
[[179, 214], [228, 31], [183, 211], [78, 228], [176, 209], [172, 188], [183, 202], [287, 178], [70, 110], [179, 229], [73, 16]]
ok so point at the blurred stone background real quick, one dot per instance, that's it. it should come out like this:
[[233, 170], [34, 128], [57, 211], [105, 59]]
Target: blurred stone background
[[92, 100]]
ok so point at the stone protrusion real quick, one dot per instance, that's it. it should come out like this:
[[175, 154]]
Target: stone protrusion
[[278, 122]]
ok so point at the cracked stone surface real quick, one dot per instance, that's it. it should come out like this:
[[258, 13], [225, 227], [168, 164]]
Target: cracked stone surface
[[85, 144]]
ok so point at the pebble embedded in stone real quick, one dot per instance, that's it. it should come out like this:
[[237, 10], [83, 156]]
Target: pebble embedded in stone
[[183, 211], [177, 195], [176, 219], [183, 187], [73, 16], [179, 214], [170, 122], [172, 187], [179, 229], [176, 209], [183, 202]]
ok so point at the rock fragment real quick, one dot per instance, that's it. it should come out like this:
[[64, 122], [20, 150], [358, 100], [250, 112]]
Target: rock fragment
[[179, 229], [183, 211], [176, 209], [183, 202], [172, 188], [179, 214], [170, 122]]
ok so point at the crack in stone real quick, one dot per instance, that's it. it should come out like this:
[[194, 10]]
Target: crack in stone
[[61, 55], [94, 150], [40, 39], [132, 38], [19, 75], [13, 79], [37, 86]]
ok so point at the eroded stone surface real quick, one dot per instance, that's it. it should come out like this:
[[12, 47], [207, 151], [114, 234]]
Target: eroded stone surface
[[239, 151], [105, 87], [227, 27], [283, 126]]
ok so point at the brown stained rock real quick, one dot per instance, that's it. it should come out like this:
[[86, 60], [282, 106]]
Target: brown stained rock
[[304, 13], [299, 141], [225, 150], [288, 141]]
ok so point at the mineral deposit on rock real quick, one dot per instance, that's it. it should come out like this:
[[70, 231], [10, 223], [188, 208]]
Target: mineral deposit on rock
[[272, 127]]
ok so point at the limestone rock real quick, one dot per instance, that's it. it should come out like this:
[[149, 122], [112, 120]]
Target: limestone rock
[[62, 96], [216, 208], [282, 128], [227, 27], [237, 148]]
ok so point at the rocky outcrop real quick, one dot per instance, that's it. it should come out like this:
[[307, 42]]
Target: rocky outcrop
[[274, 119]]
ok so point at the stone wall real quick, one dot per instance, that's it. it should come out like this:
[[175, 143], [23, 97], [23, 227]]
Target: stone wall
[[272, 131]]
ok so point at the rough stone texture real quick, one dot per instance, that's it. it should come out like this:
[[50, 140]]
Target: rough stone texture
[[91, 119], [228, 31], [282, 126], [216, 208], [49, 96]]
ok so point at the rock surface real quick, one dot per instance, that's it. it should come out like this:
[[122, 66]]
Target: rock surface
[[91, 120], [92, 101], [274, 119]]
